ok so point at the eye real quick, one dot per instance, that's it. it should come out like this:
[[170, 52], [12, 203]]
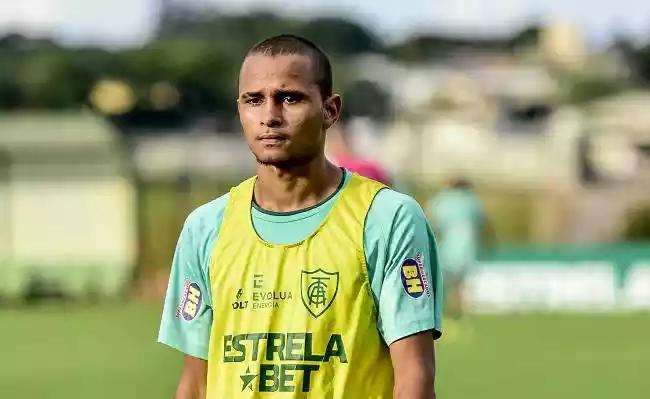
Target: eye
[[254, 101], [291, 98]]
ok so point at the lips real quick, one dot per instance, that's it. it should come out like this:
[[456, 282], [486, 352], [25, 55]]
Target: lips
[[272, 138]]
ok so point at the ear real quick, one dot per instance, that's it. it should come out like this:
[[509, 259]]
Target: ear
[[331, 110]]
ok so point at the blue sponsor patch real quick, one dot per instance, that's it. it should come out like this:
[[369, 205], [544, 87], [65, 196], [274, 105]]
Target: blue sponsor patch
[[414, 280], [191, 301]]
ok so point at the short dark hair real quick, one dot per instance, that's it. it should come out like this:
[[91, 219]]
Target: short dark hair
[[460, 183], [292, 44]]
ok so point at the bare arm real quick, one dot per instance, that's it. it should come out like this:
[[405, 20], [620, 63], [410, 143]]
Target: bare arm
[[413, 360], [193, 379]]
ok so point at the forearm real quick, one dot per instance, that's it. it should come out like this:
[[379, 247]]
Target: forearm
[[193, 379], [414, 367], [188, 390], [419, 385]]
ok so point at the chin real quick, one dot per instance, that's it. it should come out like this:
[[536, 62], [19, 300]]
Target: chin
[[284, 162], [279, 154], [272, 157]]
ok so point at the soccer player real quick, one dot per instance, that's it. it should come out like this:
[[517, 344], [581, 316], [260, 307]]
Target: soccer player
[[305, 281], [459, 216]]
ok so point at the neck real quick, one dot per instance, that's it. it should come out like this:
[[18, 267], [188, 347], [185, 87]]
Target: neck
[[295, 188]]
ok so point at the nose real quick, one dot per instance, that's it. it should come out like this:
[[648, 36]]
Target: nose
[[272, 114]]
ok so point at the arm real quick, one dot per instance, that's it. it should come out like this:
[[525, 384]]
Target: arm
[[187, 315], [403, 259], [413, 360], [193, 379]]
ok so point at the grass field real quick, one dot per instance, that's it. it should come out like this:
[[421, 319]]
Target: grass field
[[109, 351]]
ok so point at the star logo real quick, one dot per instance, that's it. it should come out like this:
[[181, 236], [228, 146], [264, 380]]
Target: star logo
[[247, 379]]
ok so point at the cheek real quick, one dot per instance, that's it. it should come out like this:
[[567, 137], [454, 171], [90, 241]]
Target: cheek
[[309, 120], [248, 122], [245, 116]]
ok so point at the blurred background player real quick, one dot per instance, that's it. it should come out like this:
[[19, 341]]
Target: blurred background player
[[459, 218], [341, 153]]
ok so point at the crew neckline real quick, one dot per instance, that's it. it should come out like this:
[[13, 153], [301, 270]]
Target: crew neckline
[[267, 212]]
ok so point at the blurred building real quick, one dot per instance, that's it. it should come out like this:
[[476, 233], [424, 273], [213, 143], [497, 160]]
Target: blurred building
[[500, 119], [196, 155], [558, 177], [563, 45], [618, 131], [67, 205]]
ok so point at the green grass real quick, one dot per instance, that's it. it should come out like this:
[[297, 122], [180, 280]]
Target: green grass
[[109, 351], [85, 352], [549, 356]]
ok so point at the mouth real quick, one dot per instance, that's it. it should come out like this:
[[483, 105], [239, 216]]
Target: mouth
[[272, 138]]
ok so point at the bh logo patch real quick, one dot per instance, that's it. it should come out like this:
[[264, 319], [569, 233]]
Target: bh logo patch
[[190, 302], [318, 289], [413, 278]]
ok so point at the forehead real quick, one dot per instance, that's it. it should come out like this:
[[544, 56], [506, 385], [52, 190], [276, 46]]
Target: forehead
[[261, 71]]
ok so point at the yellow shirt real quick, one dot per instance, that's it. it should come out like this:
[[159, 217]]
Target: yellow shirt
[[299, 320]]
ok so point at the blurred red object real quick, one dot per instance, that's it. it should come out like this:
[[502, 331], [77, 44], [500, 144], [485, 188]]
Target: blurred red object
[[363, 167]]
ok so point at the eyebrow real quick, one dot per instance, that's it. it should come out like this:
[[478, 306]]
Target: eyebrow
[[251, 94], [275, 93]]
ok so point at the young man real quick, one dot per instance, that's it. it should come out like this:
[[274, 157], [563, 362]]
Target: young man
[[305, 281]]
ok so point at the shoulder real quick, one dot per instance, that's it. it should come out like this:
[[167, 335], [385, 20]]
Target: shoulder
[[202, 227], [390, 205], [394, 217], [208, 214]]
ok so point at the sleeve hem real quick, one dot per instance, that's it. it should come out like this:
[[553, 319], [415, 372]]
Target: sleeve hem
[[414, 328], [200, 353]]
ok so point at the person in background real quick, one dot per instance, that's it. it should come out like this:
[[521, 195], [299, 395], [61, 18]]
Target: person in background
[[459, 218], [341, 154]]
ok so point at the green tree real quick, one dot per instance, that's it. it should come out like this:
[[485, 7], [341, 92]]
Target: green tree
[[365, 98]]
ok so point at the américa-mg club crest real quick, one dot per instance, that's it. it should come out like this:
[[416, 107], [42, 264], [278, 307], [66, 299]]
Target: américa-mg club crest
[[318, 289]]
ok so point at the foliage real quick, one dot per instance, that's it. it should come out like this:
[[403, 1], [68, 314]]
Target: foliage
[[582, 89], [642, 61], [528, 36], [423, 48], [366, 98], [199, 53], [198, 56], [637, 226]]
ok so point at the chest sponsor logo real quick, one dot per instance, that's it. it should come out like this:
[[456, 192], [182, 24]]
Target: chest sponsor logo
[[281, 362], [414, 279], [318, 290], [260, 297], [191, 301]]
